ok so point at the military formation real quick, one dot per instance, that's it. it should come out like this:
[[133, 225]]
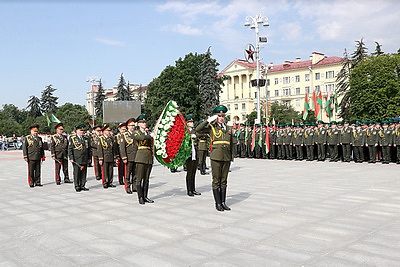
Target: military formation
[[362, 141]]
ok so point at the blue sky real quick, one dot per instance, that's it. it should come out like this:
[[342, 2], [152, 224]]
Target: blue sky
[[64, 42]]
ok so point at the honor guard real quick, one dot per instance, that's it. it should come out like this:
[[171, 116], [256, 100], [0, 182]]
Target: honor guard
[[332, 139], [120, 164], [358, 140], [298, 141], [221, 153], [345, 140], [241, 141], [128, 149], [59, 153], [309, 141], [80, 155], [386, 141], [95, 143], [192, 161], [107, 156], [33, 154], [143, 159], [320, 140]]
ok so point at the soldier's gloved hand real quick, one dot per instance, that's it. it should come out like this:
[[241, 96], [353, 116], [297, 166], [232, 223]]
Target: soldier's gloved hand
[[193, 136], [212, 118]]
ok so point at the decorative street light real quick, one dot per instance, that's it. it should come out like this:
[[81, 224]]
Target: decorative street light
[[253, 23], [92, 80]]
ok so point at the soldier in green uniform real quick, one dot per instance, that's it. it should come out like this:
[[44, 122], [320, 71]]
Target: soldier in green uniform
[[371, 136], [241, 139], [202, 150], [221, 153], [95, 143], [108, 154], [59, 153], [287, 142], [143, 159], [250, 151], [345, 140], [33, 152], [120, 164], [332, 140], [192, 161], [80, 155], [128, 150], [258, 142], [272, 141], [397, 141], [358, 140], [309, 141], [386, 141], [298, 141], [279, 143], [320, 140]]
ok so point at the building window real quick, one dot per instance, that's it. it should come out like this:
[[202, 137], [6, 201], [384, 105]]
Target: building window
[[307, 89], [317, 88], [297, 102], [297, 78], [317, 76], [268, 82], [236, 106], [286, 91], [243, 106], [255, 94], [276, 92], [244, 117], [276, 81], [268, 93], [297, 90], [286, 80], [287, 103], [330, 74], [307, 77], [229, 107], [330, 87]]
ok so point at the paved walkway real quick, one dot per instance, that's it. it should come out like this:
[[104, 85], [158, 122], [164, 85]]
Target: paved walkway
[[283, 214]]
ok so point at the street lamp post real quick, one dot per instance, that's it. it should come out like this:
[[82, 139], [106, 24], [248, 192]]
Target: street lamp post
[[92, 80], [253, 23]]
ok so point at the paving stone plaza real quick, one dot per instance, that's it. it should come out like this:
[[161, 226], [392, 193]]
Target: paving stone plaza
[[284, 213]]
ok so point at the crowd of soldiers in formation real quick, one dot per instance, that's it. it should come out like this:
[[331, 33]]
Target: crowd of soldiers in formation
[[363, 141]]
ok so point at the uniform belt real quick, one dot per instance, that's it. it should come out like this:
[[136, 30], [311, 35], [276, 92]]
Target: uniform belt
[[221, 142], [144, 147], [202, 141]]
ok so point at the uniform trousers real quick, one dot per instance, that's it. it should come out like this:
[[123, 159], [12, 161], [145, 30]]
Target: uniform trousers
[[219, 171], [34, 170]]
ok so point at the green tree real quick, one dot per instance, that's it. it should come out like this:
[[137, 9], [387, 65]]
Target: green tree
[[359, 54], [34, 107], [375, 88], [10, 111], [98, 101], [210, 84], [72, 115], [123, 93], [378, 50], [48, 101], [284, 114]]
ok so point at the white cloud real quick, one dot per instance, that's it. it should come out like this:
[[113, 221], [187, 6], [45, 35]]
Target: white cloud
[[183, 29], [110, 42]]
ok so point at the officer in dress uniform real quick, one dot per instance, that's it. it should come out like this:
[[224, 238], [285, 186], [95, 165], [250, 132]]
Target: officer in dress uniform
[[386, 141], [241, 137], [95, 143], [320, 140], [192, 161], [309, 141], [358, 140], [258, 142], [371, 141], [397, 141], [345, 140], [272, 141], [221, 153], [332, 140], [298, 141], [143, 159], [80, 155], [120, 164], [128, 150], [59, 153], [107, 156], [202, 149], [250, 152], [33, 152]]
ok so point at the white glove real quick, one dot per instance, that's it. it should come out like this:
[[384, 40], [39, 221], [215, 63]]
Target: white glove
[[152, 134], [212, 118], [193, 136]]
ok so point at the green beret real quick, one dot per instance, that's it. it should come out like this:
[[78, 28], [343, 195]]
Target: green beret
[[34, 126], [320, 122], [220, 109], [345, 121], [141, 118], [189, 118], [242, 124], [80, 127], [333, 122]]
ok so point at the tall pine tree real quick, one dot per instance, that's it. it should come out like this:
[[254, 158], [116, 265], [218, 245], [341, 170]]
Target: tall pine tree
[[378, 50], [48, 101], [98, 101], [34, 107], [210, 84], [122, 92]]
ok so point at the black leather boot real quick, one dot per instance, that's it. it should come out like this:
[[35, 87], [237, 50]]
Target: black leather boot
[[145, 192], [223, 198], [140, 194], [217, 198]]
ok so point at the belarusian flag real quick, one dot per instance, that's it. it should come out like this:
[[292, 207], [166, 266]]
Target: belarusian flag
[[319, 103], [306, 107], [267, 148], [315, 104], [328, 105]]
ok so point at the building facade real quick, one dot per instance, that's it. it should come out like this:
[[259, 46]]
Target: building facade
[[285, 84], [138, 93]]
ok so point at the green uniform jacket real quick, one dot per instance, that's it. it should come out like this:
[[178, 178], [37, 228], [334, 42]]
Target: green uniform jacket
[[128, 147], [358, 137], [33, 148], [298, 137], [144, 143], [371, 136], [332, 137], [320, 135], [95, 145], [397, 136], [108, 149], [386, 137], [79, 149], [309, 137], [59, 146], [221, 141], [345, 135]]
